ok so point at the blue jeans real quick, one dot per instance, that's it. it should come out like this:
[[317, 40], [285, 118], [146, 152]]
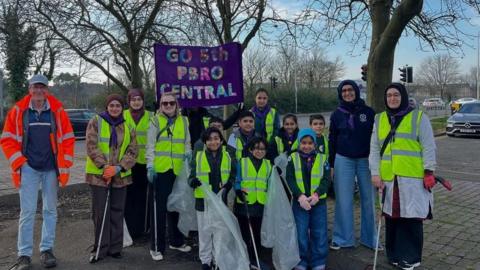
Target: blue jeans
[[31, 180], [343, 229], [312, 234]]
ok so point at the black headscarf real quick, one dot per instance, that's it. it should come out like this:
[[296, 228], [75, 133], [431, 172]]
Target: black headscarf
[[113, 121], [396, 115], [350, 107]]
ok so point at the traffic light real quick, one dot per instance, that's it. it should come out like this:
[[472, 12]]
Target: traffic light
[[409, 74], [364, 73], [406, 74], [403, 74], [274, 80]]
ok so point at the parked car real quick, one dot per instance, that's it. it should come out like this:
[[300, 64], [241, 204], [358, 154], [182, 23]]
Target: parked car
[[433, 103], [79, 119], [466, 121], [455, 105]]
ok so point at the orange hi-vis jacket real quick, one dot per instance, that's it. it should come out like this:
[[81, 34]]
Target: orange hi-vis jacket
[[62, 139]]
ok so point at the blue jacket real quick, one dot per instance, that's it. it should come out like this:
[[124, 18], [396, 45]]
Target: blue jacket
[[351, 126]]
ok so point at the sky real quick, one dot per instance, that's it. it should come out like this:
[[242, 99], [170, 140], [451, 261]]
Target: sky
[[407, 52]]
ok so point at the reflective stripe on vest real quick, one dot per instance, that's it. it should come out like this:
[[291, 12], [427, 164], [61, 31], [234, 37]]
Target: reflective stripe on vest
[[280, 146], [253, 182], [203, 170], [269, 121], [403, 154], [316, 173], [170, 146], [103, 142], [141, 130], [325, 146], [238, 148]]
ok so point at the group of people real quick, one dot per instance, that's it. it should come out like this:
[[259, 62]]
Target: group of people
[[134, 157]]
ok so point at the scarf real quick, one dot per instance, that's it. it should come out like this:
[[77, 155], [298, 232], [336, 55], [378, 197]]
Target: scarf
[[136, 114], [261, 114], [309, 158], [113, 122]]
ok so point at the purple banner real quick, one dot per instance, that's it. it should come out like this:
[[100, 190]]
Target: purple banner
[[201, 76]]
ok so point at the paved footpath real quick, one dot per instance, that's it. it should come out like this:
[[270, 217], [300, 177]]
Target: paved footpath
[[452, 238]]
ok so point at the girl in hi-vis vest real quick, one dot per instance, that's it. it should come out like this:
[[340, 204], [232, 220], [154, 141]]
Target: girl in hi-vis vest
[[251, 189]]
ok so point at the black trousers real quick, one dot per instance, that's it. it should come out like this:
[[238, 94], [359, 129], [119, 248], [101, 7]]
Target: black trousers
[[404, 240], [162, 188], [247, 238], [137, 202], [112, 237]]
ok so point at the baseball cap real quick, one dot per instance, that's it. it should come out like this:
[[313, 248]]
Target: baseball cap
[[38, 78]]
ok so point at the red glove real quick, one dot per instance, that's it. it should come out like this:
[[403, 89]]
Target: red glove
[[429, 180], [109, 171]]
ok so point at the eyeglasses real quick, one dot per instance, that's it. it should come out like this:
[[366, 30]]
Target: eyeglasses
[[171, 103], [348, 90], [260, 149]]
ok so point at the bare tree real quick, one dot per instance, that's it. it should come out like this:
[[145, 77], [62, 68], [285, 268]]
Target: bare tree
[[381, 23], [122, 29], [438, 71], [256, 62], [317, 70]]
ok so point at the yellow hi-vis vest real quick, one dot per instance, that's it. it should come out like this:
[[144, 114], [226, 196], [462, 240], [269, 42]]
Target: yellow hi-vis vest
[[281, 146], [170, 144], [203, 169], [238, 146], [253, 182], [403, 154], [269, 121], [141, 130], [316, 173], [103, 145], [206, 121]]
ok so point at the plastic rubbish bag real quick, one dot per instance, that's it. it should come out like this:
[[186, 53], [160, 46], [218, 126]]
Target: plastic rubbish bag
[[229, 250], [181, 200], [127, 239], [278, 226], [281, 162]]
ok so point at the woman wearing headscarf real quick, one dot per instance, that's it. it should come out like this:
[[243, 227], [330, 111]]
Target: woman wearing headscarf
[[111, 154], [349, 141], [168, 145], [136, 205], [402, 161]]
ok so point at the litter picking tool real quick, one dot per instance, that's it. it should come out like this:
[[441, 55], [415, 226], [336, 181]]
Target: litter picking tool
[[146, 210], [155, 210], [445, 183], [252, 236], [381, 194], [107, 201]]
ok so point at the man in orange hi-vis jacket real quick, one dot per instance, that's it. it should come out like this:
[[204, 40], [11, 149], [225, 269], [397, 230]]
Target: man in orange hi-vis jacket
[[38, 141]]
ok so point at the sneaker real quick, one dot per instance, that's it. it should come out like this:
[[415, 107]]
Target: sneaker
[[47, 259], [334, 246], [156, 255], [206, 266], [23, 263], [182, 248], [408, 266]]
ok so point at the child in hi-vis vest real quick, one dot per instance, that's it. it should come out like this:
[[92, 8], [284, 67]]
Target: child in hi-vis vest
[[306, 177], [251, 188], [214, 167]]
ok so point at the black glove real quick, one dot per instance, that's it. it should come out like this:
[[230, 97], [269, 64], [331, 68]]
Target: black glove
[[195, 183], [241, 195]]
